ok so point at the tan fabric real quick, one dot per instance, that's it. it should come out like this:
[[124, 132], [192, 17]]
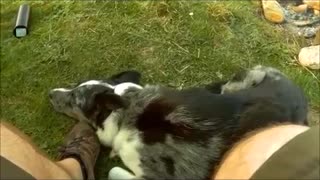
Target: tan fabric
[[298, 159], [11, 171]]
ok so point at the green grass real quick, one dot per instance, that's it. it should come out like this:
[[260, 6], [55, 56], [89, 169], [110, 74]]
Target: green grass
[[71, 41]]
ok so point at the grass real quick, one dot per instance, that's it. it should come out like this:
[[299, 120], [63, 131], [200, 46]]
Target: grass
[[71, 41]]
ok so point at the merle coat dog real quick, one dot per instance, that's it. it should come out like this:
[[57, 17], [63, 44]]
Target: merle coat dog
[[165, 133]]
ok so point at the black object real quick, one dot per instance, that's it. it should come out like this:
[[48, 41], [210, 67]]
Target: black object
[[21, 27]]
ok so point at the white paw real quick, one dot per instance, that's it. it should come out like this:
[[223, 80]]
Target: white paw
[[117, 173]]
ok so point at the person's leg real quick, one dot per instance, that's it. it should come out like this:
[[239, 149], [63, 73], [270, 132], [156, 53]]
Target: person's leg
[[297, 159], [19, 150], [247, 156]]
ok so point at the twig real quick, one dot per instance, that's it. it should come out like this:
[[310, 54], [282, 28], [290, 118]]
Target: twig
[[92, 30], [183, 69], [185, 50]]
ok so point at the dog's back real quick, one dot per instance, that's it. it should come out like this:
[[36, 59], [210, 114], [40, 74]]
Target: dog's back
[[185, 133], [267, 82], [281, 90]]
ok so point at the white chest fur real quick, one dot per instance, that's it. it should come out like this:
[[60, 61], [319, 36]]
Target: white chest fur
[[110, 129], [124, 142], [126, 145]]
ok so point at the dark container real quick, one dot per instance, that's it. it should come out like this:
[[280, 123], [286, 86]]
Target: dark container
[[21, 27]]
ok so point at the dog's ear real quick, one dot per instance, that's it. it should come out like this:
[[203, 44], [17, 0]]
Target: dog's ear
[[102, 105], [126, 76], [110, 101]]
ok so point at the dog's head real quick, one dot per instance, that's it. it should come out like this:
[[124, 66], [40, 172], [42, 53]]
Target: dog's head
[[89, 100]]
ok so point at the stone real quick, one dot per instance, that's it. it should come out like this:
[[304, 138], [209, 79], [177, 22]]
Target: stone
[[310, 57], [300, 9], [315, 4], [309, 32], [273, 11], [316, 12], [301, 23]]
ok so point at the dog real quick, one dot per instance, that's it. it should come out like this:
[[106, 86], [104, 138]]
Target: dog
[[160, 132]]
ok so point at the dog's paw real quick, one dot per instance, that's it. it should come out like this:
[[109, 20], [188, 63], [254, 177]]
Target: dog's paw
[[117, 173]]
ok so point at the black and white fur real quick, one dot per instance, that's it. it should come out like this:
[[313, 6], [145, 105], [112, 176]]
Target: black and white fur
[[80, 102], [164, 133]]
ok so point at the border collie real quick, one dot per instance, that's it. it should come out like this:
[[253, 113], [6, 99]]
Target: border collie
[[163, 133]]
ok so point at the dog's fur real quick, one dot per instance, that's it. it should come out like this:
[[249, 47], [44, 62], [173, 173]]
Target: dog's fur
[[164, 133], [267, 82], [81, 102]]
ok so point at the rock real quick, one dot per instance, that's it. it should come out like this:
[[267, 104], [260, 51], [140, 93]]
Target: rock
[[300, 9], [301, 23], [309, 32], [272, 11], [310, 57], [316, 12], [315, 4]]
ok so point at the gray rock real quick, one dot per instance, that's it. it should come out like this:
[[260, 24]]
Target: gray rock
[[309, 32]]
